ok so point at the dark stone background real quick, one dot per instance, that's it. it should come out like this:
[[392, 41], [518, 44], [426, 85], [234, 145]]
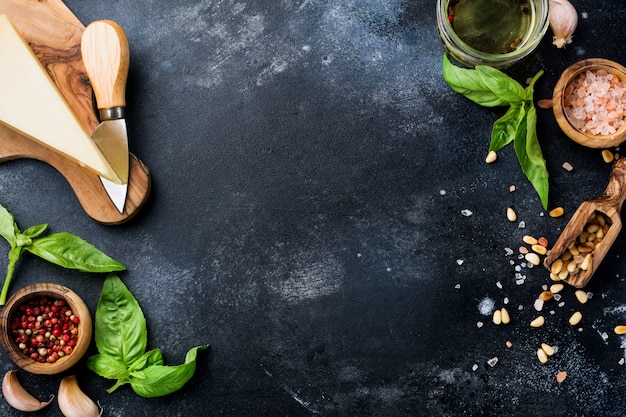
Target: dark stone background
[[310, 167]]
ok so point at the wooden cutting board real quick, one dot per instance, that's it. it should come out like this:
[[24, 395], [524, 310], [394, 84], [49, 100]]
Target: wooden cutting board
[[55, 34]]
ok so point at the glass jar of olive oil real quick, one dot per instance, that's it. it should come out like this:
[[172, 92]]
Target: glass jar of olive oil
[[497, 33]]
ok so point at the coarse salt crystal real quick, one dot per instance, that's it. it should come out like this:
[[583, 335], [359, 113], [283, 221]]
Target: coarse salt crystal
[[595, 102]]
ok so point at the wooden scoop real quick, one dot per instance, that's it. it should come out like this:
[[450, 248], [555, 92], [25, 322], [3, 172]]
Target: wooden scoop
[[609, 204]]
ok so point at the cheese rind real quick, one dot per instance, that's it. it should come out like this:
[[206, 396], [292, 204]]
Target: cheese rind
[[32, 105]]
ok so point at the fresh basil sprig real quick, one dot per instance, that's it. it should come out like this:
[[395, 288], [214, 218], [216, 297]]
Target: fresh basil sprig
[[63, 249], [121, 338], [490, 87]]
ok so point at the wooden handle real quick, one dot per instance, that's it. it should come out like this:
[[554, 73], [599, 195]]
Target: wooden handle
[[106, 56], [615, 191]]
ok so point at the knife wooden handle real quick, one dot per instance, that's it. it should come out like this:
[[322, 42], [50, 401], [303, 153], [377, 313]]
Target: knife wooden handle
[[106, 56]]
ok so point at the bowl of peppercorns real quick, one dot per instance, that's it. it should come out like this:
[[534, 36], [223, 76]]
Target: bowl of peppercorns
[[46, 328], [589, 103]]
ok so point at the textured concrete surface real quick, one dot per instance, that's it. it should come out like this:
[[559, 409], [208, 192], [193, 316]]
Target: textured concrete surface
[[312, 172]]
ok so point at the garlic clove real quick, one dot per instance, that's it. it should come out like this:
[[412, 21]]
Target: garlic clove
[[73, 402], [563, 21], [17, 397]]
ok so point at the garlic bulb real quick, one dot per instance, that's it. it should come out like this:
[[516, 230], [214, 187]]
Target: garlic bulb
[[563, 21], [75, 403], [17, 397]]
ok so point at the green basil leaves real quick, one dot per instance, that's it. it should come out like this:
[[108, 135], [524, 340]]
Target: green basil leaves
[[63, 249], [490, 87], [121, 338]]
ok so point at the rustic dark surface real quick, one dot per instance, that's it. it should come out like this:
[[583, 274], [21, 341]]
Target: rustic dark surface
[[310, 169]]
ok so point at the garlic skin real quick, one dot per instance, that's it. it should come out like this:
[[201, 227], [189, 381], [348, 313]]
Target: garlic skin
[[563, 21], [75, 403], [17, 397]]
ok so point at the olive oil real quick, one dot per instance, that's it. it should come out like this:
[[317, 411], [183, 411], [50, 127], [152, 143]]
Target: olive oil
[[491, 26]]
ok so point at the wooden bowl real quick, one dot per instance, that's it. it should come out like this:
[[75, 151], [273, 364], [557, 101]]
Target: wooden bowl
[[586, 139], [55, 291]]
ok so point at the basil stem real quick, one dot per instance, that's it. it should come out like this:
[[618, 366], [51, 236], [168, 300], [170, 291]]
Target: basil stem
[[490, 87]]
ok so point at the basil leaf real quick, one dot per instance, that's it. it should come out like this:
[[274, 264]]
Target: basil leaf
[[120, 326], [70, 251], [529, 154], [153, 357], [34, 231], [470, 83], [505, 128], [8, 228], [160, 380], [503, 86], [107, 367]]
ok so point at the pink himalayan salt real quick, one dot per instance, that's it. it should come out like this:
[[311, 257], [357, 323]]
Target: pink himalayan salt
[[595, 102]]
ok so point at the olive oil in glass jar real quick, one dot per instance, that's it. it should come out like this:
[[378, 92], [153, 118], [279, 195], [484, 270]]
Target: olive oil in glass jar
[[491, 32]]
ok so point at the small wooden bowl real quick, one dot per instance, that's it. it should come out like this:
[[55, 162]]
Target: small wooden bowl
[[586, 139], [78, 308]]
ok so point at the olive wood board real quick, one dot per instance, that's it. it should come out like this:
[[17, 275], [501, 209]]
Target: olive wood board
[[54, 33]]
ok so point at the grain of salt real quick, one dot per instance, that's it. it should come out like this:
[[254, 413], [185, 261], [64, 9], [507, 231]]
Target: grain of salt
[[595, 102]]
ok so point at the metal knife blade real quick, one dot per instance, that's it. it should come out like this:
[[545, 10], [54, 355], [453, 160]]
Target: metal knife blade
[[106, 56]]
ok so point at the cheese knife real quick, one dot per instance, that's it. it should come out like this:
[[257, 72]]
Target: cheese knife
[[106, 56]]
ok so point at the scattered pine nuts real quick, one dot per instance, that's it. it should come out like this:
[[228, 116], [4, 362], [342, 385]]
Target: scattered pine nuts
[[548, 349], [533, 258], [560, 377], [538, 322], [556, 288], [543, 241], [506, 319], [491, 157], [541, 250], [621, 329], [607, 156], [544, 103], [529, 240], [541, 354], [546, 296], [497, 317], [511, 215], [557, 212], [575, 318], [581, 296]]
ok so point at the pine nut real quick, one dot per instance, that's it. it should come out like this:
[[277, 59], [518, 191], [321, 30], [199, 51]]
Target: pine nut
[[546, 295], [497, 317], [533, 258], [621, 329], [506, 319], [607, 156], [491, 157], [575, 318], [586, 263], [556, 288], [543, 357], [548, 349], [581, 296], [529, 240], [543, 241], [560, 377], [557, 212], [541, 250], [556, 266], [538, 322], [511, 215]]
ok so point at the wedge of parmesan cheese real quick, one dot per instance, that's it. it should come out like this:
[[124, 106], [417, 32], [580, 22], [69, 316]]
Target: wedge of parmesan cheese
[[32, 105]]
